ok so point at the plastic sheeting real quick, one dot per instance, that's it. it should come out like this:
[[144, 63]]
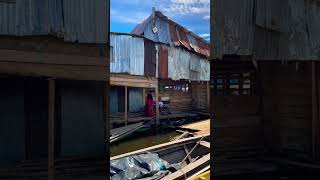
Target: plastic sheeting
[[128, 54], [83, 21], [144, 166]]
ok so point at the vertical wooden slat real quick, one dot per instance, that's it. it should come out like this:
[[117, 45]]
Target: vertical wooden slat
[[318, 110], [314, 112], [126, 105], [51, 117]]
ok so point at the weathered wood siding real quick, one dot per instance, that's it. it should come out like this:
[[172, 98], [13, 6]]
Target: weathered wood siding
[[236, 119], [287, 108], [199, 95]]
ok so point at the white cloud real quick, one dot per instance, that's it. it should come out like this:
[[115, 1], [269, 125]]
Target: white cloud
[[188, 7], [205, 36], [206, 17]]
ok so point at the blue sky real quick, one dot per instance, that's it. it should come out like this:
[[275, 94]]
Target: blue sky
[[192, 14]]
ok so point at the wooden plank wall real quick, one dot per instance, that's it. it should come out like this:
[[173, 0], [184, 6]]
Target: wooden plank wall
[[199, 95], [287, 108], [179, 101], [236, 119]]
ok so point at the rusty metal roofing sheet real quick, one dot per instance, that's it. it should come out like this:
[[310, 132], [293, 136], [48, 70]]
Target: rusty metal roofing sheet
[[183, 38], [149, 58], [174, 35], [163, 62], [128, 54], [83, 21], [171, 33]]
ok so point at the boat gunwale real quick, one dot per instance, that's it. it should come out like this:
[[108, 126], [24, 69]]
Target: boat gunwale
[[171, 144]]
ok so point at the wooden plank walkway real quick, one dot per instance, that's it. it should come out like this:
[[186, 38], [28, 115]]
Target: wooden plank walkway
[[202, 127]]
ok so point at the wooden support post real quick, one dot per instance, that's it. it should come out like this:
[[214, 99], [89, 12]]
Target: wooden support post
[[144, 95], [51, 117], [315, 112], [157, 105], [126, 105]]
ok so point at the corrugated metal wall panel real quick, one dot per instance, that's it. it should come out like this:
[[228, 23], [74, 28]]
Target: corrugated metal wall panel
[[313, 12], [135, 99], [85, 20], [195, 63], [233, 30], [283, 30], [272, 14], [178, 64], [149, 58], [128, 54], [163, 62], [7, 18], [205, 70], [114, 100]]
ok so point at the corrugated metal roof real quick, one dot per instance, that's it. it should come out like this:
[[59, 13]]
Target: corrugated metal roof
[[171, 33], [128, 54], [84, 21]]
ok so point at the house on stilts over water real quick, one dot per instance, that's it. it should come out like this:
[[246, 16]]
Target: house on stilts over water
[[161, 58]]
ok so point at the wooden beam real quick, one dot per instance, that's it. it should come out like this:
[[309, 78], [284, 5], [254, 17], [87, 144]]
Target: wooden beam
[[50, 58], [77, 72], [51, 121], [126, 105], [131, 81]]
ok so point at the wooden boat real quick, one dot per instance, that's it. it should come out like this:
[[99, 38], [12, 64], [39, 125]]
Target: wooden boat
[[121, 132], [202, 176], [192, 153]]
